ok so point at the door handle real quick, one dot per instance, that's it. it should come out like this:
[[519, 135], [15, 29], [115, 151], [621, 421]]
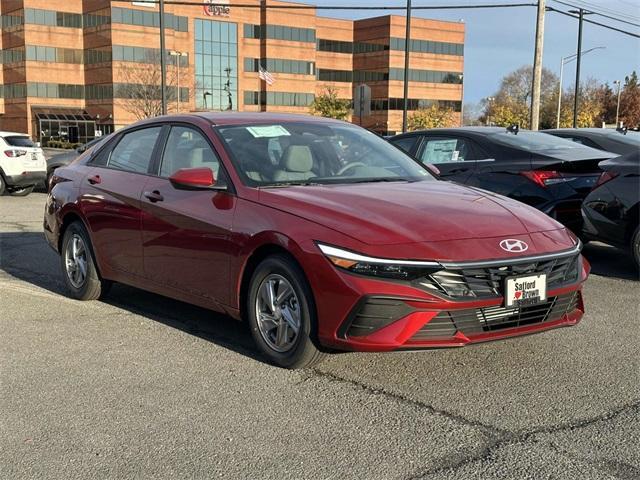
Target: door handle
[[94, 179], [154, 196]]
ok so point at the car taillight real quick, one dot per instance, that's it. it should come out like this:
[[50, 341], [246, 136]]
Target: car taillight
[[544, 178], [604, 178], [15, 153]]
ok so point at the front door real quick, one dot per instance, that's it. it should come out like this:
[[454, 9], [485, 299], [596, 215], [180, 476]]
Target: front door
[[186, 233]]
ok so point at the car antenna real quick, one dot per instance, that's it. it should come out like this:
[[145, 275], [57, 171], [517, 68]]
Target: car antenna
[[514, 128], [622, 130]]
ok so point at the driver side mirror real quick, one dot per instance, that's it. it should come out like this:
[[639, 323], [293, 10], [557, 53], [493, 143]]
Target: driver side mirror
[[200, 178]]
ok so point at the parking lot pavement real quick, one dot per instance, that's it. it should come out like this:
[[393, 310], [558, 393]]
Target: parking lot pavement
[[146, 387]]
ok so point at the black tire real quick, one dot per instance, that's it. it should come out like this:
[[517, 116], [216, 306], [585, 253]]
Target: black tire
[[22, 192], [3, 185], [303, 352], [92, 287], [635, 247]]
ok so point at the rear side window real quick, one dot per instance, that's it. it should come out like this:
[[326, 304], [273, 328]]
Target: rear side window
[[447, 150], [19, 141], [583, 141], [406, 143], [133, 152]]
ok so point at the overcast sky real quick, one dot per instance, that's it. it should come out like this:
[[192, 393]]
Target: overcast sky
[[500, 40]]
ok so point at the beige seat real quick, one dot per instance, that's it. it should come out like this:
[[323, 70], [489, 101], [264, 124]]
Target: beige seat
[[297, 162], [203, 157]]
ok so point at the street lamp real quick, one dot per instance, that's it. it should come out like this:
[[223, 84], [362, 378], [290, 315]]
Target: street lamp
[[489, 101], [619, 84], [563, 62], [178, 55], [581, 13], [204, 96]]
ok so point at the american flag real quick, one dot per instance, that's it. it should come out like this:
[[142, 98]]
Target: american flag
[[266, 76]]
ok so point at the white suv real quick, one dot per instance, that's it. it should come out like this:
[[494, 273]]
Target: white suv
[[22, 164]]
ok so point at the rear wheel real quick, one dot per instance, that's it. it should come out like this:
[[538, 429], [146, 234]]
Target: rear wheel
[[78, 265], [3, 185], [282, 315], [635, 247], [21, 192]]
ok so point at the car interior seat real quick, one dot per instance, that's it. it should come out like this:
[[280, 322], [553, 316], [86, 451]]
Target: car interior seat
[[297, 163]]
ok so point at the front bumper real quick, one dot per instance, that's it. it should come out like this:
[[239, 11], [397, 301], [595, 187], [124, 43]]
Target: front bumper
[[26, 179], [387, 315]]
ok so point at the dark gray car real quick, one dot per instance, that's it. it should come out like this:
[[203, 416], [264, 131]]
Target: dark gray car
[[66, 158], [620, 141]]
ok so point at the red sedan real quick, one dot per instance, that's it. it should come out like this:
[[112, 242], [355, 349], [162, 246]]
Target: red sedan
[[318, 233]]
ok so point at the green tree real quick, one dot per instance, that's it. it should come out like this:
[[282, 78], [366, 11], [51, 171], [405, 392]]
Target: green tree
[[327, 104], [630, 101], [431, 117]]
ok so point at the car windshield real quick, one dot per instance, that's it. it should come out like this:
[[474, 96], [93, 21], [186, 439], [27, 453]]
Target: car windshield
[[300, 153], [19, 141], [536, 142]]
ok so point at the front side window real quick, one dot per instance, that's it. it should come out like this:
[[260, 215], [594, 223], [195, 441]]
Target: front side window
[[133, 152], [187, 148], [315, 153]]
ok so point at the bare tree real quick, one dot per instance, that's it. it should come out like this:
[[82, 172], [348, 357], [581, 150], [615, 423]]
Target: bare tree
[[140, 88]]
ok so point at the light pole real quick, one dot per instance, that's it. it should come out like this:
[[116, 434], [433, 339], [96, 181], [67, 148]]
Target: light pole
[[461, 78], [576, 97], [204, 96], [178, 56], [489, 103], [618, 83], [563, 62], [163, 62], [407, 42]]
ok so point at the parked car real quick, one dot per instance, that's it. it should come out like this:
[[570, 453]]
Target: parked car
[[611, 211], [22, 164], [619, 141], [65, 158], [319, 233], [546, 172]]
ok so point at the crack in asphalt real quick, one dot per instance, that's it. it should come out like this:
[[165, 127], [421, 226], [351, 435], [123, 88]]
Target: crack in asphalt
[[496, 437]]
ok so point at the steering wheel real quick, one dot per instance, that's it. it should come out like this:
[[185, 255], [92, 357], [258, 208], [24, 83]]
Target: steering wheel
[[349, 166]]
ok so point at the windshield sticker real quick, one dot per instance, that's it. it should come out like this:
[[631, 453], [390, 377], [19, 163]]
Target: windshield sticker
[[263, 131], [441, 151]]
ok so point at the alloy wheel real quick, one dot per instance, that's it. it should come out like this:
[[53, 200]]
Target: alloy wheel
[[278, 313], [76, 261]]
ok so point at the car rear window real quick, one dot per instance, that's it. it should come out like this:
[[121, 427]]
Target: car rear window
[[19, 141], [536, 142]]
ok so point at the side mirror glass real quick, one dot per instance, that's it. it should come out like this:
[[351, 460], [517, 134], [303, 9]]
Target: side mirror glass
[[193, 179]]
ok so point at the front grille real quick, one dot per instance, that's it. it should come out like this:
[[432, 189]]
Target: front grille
[[474, 321], [488, 282]]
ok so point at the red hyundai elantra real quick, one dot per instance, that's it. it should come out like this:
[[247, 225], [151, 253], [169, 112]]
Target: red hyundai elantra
[[318, 233]]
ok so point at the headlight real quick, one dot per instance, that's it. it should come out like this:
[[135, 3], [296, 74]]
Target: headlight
[[378, 267]]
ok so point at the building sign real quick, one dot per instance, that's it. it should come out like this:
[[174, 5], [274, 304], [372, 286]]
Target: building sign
[[144, 4], [217, 8]]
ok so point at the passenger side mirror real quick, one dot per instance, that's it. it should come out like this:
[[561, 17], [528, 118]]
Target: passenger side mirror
[[432, 168], [201, 178]]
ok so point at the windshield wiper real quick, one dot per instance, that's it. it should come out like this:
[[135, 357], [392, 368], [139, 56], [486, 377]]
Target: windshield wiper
[[378, 180], [290, 184]]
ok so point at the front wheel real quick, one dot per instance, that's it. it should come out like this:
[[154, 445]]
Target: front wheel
[[78, 265], [635, 247], [282, 315], [21, 192]]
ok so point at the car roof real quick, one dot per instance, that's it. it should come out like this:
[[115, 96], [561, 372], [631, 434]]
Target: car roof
[[13, 134], [476, 130], [597, 131], [240, 118]]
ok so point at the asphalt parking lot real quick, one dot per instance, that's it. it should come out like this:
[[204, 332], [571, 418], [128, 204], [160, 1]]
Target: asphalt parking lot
[[140, 386]]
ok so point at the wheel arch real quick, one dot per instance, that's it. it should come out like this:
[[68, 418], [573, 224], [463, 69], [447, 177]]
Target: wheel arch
[[69, 217]]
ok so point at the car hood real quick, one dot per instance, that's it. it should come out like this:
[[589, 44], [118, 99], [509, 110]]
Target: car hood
[[407, 212]]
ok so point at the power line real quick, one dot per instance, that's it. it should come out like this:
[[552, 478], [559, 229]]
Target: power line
[[610, 11], [567, 14], [598, 13], [335, 7]]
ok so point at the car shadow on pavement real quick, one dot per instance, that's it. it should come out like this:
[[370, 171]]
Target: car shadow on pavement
[[609, 261], [27, 257]]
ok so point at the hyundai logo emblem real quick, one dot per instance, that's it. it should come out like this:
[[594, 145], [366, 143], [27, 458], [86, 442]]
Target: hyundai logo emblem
[[513, 245]]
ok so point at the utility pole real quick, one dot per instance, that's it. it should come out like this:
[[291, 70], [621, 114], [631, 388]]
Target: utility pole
[[407, 41], [576, 96], [537, 67], [618, 82], [163, 62]]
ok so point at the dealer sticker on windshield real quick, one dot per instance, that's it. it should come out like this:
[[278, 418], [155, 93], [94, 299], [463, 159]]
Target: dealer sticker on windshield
[[524, 291]]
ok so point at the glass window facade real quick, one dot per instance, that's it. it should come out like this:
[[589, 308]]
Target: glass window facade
[[286, 99], [413, 104], [39, 53], [141, 18], [12, 20], [327, 75], [216, 65], [52, 18], [429, 46], [124, 53], [426, 76], [12, 55], [54, 90], [281, 32], [281, 65]]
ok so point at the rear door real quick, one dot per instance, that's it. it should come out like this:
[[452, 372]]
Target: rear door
[[455, 156], [110, 198], [186, 233]]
